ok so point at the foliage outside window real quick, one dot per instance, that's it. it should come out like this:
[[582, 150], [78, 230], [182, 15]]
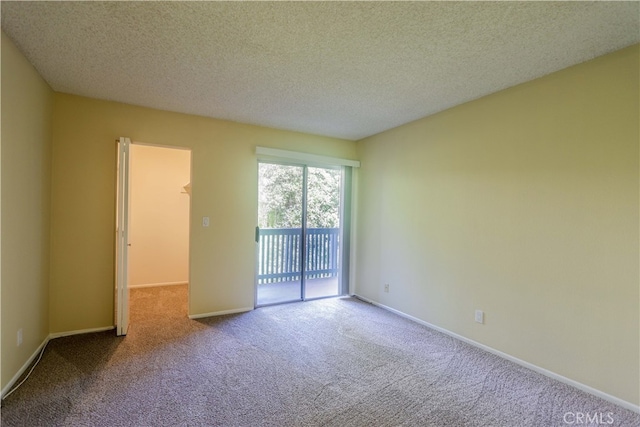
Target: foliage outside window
[[280, 190]]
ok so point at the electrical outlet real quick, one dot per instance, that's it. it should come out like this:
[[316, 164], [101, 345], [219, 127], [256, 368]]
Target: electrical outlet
[[205, 221], [19, 337], [386, 287], [479, 316]]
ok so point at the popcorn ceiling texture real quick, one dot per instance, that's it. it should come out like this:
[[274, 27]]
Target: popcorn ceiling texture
[[342, 69]]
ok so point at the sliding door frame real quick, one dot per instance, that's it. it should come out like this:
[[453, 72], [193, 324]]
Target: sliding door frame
[[303, 234], [305, 160]]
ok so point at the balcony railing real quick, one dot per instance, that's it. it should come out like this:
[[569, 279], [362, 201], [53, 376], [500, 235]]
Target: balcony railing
[[279, 254]]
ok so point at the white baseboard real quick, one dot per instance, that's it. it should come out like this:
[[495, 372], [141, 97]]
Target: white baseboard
[[220, 313], [80, 331], [153, 285], [616, 400], [24, 367]]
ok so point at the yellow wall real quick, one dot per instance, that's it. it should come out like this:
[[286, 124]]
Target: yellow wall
[[523, 204], [224, 187], [27, 103], [159, 215]]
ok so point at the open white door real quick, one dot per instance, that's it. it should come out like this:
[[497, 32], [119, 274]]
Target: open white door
[[122, 238]]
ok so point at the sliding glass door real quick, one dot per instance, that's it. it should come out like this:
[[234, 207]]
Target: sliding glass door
[[322, 233], [298, 233], [279, 233]]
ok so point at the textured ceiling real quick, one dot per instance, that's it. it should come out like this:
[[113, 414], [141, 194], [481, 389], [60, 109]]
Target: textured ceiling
[[343, 69]]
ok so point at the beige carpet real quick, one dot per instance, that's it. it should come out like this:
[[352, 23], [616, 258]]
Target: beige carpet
[[333, 362]]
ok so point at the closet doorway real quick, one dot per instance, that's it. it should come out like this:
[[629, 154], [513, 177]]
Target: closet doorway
[[156, 256]]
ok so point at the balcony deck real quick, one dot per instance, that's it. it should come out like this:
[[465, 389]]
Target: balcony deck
[[272, 293]]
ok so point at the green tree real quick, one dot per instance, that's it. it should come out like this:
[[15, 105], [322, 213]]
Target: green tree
[[280, 192], [323, 198]]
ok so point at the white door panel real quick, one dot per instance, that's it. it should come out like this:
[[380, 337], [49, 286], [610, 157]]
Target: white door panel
[[122, 238]]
